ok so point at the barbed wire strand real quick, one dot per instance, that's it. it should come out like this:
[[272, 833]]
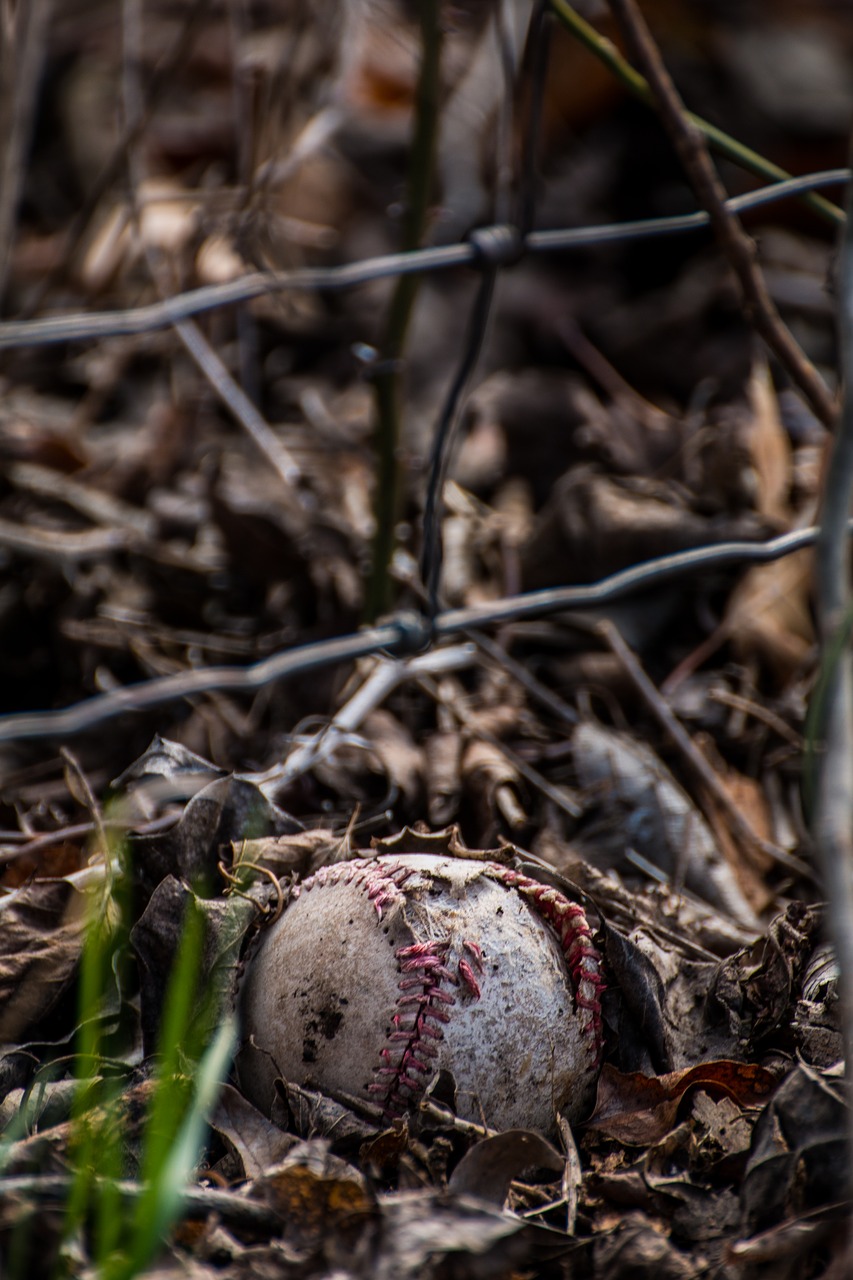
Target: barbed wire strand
[[134, 321], [405, 633]]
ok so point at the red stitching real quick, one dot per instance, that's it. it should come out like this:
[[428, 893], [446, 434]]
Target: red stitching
[[382, 883], [583, 961], [404, 1069], [466, 973]]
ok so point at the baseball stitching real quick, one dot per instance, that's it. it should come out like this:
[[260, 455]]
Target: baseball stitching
[[427, 982], [569, 922], [400, 1077], [383, 883]]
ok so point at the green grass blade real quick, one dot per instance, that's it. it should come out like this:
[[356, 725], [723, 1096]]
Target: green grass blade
[[161, 1201]]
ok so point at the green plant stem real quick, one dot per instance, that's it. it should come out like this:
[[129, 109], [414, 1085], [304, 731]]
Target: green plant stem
[[718, 140], [90, 1131], [175, 1047], [162, 1200], [388, 500]]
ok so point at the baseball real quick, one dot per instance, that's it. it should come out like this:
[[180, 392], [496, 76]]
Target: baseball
[[382, 971]]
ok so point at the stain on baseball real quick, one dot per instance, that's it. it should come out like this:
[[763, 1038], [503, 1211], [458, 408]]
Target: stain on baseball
[[382, 971]]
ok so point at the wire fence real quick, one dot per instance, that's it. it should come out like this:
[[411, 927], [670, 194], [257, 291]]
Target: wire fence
[[489, 250], [405, 633], [86, 326]]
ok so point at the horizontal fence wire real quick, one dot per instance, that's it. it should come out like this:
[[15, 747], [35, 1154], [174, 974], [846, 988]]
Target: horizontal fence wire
[[82, 326], [404, 634]]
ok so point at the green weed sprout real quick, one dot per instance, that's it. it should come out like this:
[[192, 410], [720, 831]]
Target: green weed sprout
[[126, 1231]]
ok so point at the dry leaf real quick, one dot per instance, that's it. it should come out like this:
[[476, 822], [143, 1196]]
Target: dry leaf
[[769, 617], [41, 940], [639, 1109], [660, 820], [769, 446], [487, 1170]]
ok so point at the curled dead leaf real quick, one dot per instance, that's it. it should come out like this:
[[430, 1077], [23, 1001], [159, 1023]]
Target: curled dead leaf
[[639, 1109], [487, 1170], [41, 940]]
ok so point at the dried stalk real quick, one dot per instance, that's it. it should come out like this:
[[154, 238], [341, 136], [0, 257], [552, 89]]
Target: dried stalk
[[388, 498], [723, 143], [738, 247]]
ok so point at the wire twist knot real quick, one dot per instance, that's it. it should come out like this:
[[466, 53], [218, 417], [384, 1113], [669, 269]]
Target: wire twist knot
[[497, 246]]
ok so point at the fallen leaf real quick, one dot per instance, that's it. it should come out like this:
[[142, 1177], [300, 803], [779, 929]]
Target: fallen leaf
[[487, 1170], [259, 1144], [769, 615], [639, 1109]]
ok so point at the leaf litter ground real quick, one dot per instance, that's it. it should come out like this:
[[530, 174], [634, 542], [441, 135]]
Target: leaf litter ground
[[622, 410]]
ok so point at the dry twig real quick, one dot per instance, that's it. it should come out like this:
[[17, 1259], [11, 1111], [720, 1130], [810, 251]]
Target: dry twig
[[738, 824], [723, 143], [738, 247]]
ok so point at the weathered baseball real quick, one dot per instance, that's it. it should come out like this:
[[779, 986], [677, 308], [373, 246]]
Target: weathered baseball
[[381, 971]]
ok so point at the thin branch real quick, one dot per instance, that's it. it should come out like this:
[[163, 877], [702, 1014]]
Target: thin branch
[[740, 827], [223, 384], [738, 247], [132, 321], [53, 1189], [723, 143], [63, 545], [385, 677], [238, 403]]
